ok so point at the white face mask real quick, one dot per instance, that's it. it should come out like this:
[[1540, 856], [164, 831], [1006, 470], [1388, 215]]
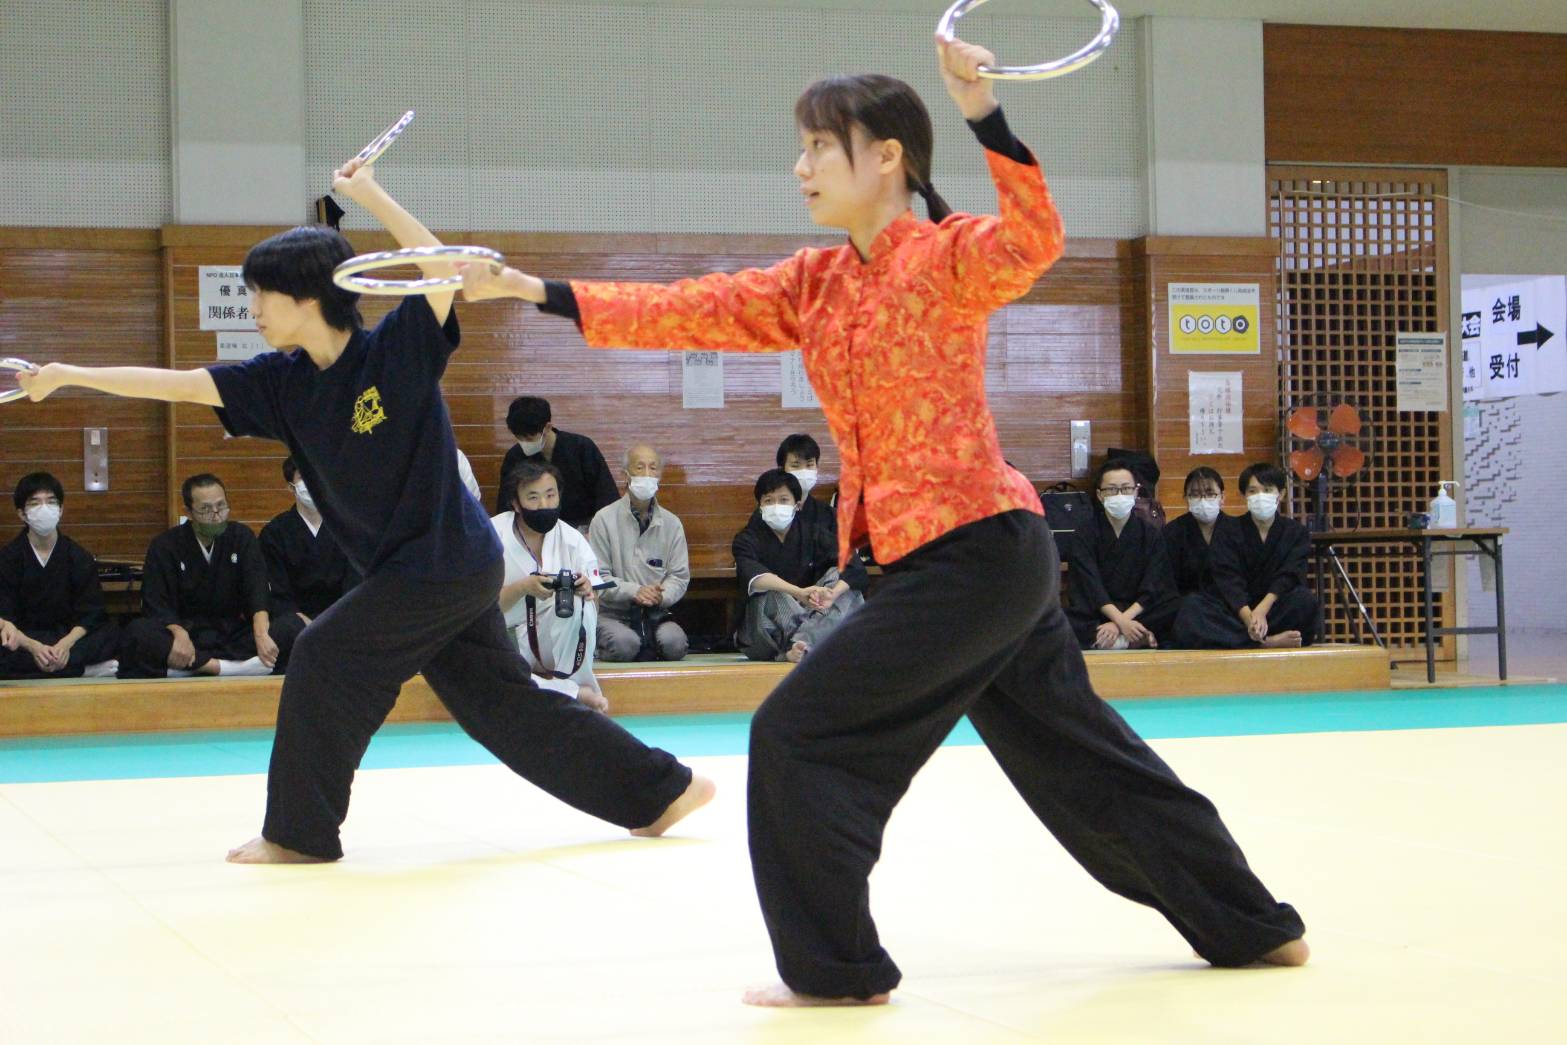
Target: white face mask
[[302, 495], [807, 479], [43, 519], [643, 487], [1263, 506], [778, 516], [532, 446], [1119, 505], [1206, 509]]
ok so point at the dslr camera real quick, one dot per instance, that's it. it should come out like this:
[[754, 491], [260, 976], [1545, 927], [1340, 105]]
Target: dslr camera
[[564, 585]]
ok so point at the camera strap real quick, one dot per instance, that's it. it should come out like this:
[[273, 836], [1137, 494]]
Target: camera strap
[[533, 643]]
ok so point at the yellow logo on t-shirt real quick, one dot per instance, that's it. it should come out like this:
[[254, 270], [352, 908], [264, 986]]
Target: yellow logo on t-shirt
[[367, 411]]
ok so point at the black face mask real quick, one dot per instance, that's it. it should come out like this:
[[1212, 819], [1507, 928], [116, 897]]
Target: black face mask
[[540, 520]]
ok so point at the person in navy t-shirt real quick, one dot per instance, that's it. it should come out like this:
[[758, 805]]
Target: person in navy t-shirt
[[362, 414]]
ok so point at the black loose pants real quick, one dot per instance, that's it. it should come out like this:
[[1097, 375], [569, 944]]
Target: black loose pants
[[347, 668], [834, 747]]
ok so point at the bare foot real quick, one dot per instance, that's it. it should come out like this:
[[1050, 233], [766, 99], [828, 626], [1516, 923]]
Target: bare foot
[[260, 851], [778, 996], [797, 653], [593, 699], [1283, 640], [1293, 953], [697, 794]]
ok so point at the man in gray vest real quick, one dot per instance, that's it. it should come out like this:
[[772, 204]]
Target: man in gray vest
[[642, 548]]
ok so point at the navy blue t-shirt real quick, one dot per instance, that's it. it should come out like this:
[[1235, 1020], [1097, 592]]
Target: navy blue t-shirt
[[372, 438]]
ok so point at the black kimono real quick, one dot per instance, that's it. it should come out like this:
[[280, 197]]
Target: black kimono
[[46, 601], [1243, 569], [586, 484], [1187, 552], [809, 549], [215, 601], [1106, 569], [306, 573]]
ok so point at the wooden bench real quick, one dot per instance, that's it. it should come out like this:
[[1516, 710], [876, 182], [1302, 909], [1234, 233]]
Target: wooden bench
[[699, 685]]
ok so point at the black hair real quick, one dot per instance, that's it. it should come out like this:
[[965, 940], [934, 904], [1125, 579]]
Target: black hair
[[299, 263], [1114, 464], [1202, 473], [289, 471], [1265, 472], [801, 445], [203, 479], [32, 483], [527, 415], [887, 109], [777, 479], [527, 473]]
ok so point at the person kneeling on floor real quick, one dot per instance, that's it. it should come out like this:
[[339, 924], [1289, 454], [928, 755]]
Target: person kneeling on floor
[[554, 626]]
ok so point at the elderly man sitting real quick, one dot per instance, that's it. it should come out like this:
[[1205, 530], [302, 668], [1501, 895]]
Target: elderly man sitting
[[641, 546]]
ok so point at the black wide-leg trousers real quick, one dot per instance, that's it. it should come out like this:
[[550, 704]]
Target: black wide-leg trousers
[[347, 668], [971, 623]]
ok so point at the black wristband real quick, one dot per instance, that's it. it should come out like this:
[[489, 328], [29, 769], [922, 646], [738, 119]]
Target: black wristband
[[560, 300]]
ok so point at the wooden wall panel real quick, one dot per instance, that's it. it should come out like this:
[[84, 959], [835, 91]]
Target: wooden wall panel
[[1342, 94], [1071, 348], [1217, 260], [91, 297]]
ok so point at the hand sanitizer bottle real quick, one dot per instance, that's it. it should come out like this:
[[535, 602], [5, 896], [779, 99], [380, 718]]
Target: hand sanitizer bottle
[[1444, 510]]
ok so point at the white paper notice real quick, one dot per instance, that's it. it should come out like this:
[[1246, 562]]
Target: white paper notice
[[702, 380], [797, 391], [223, 298], [241, 346], [1215, 412], [1422, 371]]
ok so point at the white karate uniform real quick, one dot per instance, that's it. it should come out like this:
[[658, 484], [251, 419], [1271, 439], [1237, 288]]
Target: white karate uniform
[[465, 473], [558, 638]]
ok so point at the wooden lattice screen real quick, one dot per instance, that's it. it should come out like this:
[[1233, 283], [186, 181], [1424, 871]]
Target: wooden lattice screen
[[1362, 256]]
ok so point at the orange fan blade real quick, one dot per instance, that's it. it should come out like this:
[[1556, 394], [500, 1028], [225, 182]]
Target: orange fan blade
[[1303, 423], [1345, 420], [1306, 463], [1348, 460]]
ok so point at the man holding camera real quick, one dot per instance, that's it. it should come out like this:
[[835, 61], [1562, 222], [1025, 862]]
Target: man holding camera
[[548, 593]]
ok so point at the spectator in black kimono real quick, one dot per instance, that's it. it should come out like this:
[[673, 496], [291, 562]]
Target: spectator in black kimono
[[306, 570], [204, 596], [52, 621], [1257, 593], [1119, 580]]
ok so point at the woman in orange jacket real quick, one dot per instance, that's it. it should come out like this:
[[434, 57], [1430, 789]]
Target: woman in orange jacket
[[968, 619]]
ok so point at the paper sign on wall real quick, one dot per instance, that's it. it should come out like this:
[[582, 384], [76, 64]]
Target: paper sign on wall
[[1215, 412], [1218, 318], [223, 298], [797, 391], [1422, 371], [702, 380], [240, 346], [1515, 337]]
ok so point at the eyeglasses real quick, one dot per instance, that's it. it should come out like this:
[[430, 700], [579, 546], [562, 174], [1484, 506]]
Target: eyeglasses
[[215, 511], [1125, 489]]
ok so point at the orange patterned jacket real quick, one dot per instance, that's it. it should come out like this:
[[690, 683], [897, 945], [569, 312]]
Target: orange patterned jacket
[[894, 347]]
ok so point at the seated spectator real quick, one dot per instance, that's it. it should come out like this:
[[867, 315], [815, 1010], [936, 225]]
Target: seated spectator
[[469, 481], [788, 569], [1118, 577], [800, 456], [204, 596], [586, 482], [1256, 593], [306, 570], [558, 649], [52, 621], [641, 546], [1189, 538]]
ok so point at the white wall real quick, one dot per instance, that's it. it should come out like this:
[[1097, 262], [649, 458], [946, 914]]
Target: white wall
[[1515, 223], [1207, 161], [84, 113]]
